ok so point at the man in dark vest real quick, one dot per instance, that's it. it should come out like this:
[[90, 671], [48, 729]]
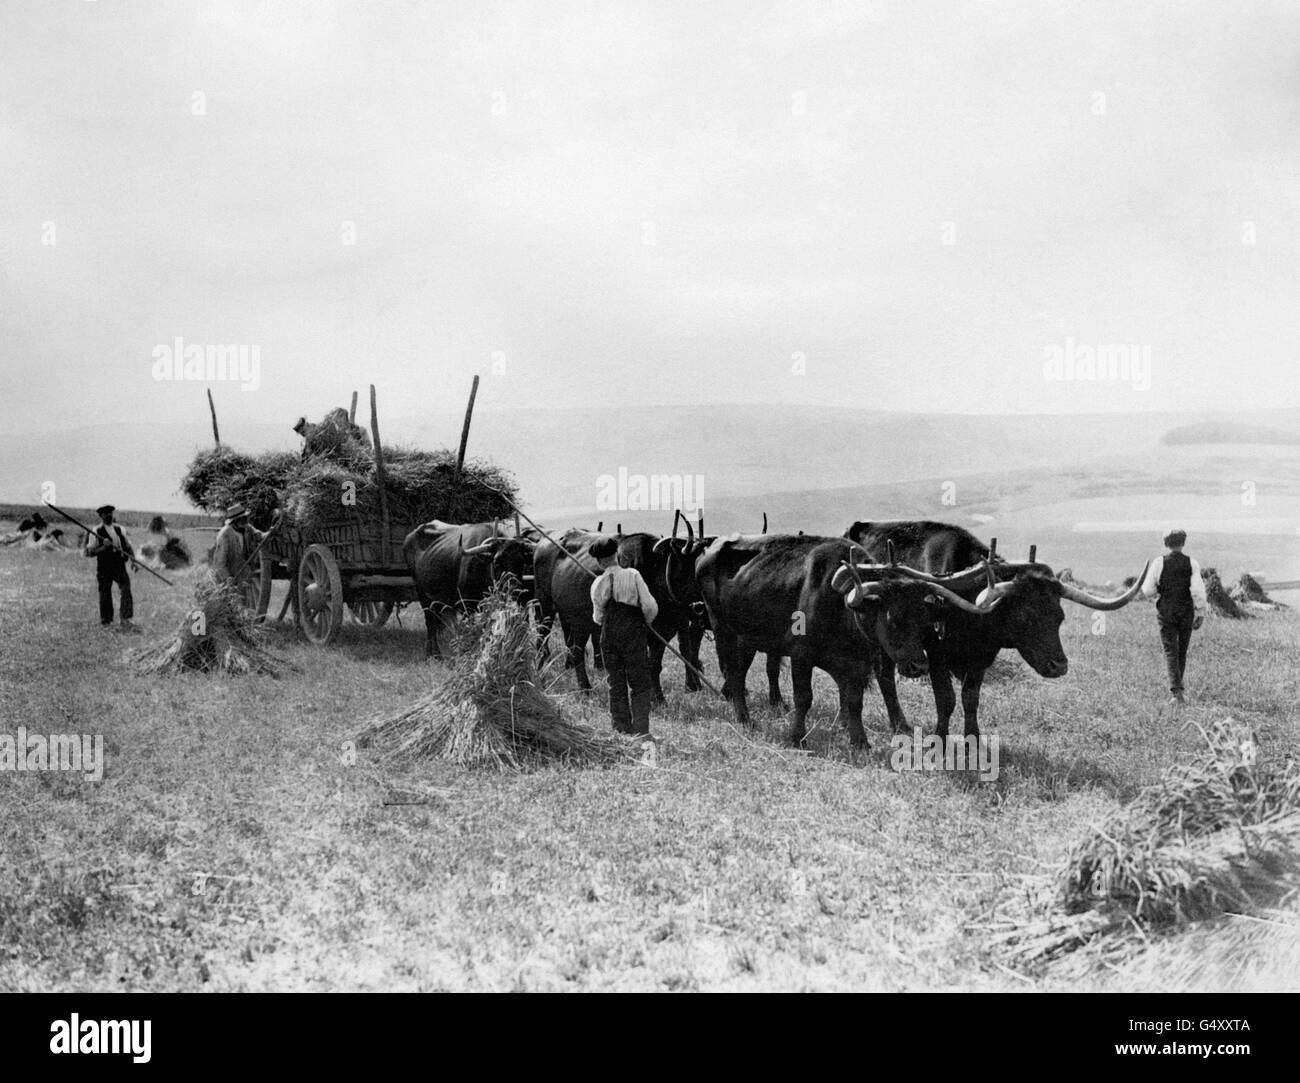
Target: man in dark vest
[[1175, 581], [108, 545], [623, 606]]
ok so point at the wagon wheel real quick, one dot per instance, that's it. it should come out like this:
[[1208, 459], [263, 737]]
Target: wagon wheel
[[320, 595], [266, 569], [371, 613]]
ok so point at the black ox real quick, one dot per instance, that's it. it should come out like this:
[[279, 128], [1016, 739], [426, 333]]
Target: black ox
[[806, 597], [564, 572], [456, 566], [1027, 617]]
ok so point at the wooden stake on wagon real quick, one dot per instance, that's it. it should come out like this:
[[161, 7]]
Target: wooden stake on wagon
[[352, 410], [379, 464], [212, 409], [464, 440]]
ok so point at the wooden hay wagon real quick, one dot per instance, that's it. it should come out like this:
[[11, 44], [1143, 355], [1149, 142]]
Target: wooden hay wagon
[[349, 563]]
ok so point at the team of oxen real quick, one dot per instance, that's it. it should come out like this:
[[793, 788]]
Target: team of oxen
[[903, 596]]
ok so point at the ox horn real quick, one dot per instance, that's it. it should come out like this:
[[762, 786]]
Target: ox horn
[[764, 522], [690, 534], [977, 608], [476, 550], [1033, 554], [1074, 594]]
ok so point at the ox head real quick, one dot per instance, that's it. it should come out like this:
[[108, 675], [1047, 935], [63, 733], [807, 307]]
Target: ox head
[[509, 561], [1029, 612], [901, 605], [676, 556]]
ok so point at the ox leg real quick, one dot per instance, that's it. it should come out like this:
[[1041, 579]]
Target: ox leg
[[774, 697], [851, 712], [655, 649], [801, 679], [945, 700], [432, 626], [730, 659], [889, 693], [970, 701], [576, 646], [689, 637]]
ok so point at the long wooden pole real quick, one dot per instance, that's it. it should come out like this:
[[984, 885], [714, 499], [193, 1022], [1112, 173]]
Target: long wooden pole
[[212, 409], [379, 463], [464, 441], [352, 410]]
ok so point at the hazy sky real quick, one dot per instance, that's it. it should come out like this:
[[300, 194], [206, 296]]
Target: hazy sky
[[652, 201]]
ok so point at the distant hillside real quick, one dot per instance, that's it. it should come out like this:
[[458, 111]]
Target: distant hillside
[[1228, 432], [557, 455]]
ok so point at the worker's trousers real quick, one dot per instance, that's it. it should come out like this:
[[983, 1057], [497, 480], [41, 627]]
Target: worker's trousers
[[627, 667]]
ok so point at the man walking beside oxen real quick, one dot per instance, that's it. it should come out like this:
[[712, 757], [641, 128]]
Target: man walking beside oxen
[[624, 608], [1175, 580]]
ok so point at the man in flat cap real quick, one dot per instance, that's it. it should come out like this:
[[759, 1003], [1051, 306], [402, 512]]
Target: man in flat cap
[[1174, 579], [236, 542], [111, 550], [624, 608]]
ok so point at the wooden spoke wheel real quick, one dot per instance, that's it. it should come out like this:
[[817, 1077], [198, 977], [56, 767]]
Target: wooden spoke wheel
[[320, 595], [373, 614]]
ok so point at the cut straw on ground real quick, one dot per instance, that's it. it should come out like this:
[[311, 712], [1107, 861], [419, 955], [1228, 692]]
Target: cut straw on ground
[[493, 708]]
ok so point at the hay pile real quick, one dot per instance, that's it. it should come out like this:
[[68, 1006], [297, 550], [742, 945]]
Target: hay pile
[[220, 635], [1220, 602], [218, 477], [493, 708], [419, 485], [1247, 591], [338, 459], [1220, 834]]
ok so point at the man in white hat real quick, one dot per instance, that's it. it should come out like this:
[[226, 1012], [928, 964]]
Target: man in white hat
[[1174, 579]]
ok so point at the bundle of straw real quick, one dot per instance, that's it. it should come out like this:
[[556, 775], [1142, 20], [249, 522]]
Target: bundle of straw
[[220, 635], [1141, 858], [1220, 602], [493, 709], [1220, 834]]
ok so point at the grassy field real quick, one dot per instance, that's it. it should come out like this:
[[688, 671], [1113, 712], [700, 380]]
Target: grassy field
[[234, 842]]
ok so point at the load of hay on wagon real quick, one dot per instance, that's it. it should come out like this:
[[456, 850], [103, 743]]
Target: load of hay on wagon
[[337, 461]]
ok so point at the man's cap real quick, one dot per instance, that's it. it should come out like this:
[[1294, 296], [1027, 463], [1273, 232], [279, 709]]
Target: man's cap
[[604, 549], [105, 509], [1175, 536], [236, 511]]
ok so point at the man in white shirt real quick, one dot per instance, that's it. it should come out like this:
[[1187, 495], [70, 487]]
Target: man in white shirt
[[1175, 580], [623, 606]]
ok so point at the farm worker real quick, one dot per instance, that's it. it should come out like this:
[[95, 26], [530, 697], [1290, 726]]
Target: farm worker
[[623, 606], [111, 550], [236, 542], [1175, 580]]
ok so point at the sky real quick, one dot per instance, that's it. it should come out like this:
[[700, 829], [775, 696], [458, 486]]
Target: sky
[[881, 205]]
